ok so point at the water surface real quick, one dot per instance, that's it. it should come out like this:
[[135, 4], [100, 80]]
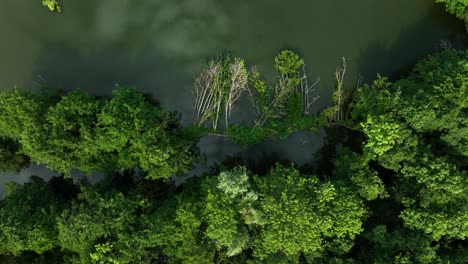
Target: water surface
[[160, 45]]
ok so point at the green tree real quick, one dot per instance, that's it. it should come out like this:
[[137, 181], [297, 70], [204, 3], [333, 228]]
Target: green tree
[[223, 207], [21, 113], [53, 5], [283, 107], [80, 131], [398, 246], [66, 140], [456, 7], [27, 218], [105, 227], [353, 169], [143, 135], [305, 216], [186, 241], [416, 129]]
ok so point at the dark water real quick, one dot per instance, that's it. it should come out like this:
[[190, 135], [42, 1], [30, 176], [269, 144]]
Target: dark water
[[160, 45]]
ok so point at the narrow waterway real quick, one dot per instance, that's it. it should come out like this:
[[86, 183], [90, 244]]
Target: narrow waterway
[[159, 46]]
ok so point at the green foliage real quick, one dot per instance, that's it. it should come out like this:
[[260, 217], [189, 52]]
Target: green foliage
[[246, 136], [53, 5], [83, 132], [288, 63], [142, 135], [106, 227], [282, 107], [27, 218], [234, 183], [258, 83], [416, 127], [382, 135], [21, 113], [375, 99], [301, 214], [221, 213], [353, 168], [66, 140], [435, 98], [456, 7], [336, 112], [186, 243], [400, 246]]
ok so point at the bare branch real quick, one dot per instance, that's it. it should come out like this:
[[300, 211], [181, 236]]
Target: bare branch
[[309, 95], [239, 80]]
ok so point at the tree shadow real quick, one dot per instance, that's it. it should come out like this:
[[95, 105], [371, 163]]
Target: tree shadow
[[323, 160], [397, 60], [160, 81]]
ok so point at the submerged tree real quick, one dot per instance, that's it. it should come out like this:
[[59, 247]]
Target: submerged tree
[[53, 5], [275, 102], [219, 86], [281, 108], [337, 112]]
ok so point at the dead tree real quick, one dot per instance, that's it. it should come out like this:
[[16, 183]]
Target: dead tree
[[206, 88], [239, 81], [309, 95], [219, 86], [338, 94]]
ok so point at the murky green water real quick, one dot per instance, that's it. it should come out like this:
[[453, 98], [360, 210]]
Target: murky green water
[[160, 45]]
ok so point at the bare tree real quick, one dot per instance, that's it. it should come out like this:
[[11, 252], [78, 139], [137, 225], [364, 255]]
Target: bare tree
[[219, 83], [206, 88], [239, 81], [338, 94], [309, 95]]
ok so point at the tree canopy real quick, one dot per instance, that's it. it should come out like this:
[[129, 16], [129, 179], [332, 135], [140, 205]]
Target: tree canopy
[[81, 131]]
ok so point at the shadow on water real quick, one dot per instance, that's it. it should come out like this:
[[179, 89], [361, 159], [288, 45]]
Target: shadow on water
[[395, 62], [413, 43], [98, 73], [336, 137]]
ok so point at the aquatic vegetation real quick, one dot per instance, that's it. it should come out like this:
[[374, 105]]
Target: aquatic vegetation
[[217, 89], [53, 5], [282, 107], [456, 7]]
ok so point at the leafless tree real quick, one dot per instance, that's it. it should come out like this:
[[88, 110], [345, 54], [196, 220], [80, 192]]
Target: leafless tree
[[216, 85], [206, 88], [309, 95], [239, 84], [338, 94]]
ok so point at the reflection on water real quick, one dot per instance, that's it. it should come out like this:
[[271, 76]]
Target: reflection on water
[[159, 45]]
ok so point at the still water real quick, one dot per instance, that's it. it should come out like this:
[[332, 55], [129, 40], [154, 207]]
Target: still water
[[160, 45]]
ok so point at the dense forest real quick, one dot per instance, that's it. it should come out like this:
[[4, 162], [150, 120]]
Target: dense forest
[[397, 195]]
